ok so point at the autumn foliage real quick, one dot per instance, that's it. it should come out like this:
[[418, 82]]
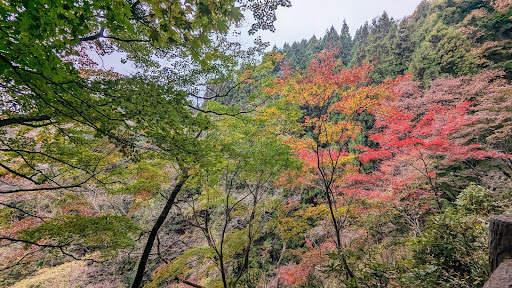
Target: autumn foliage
[[332, 98], [365, 161], [408, 146]]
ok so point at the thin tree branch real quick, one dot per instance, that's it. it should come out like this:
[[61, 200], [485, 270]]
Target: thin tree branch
[[23, 211], [188, 283], [101, 35], [23, 120]]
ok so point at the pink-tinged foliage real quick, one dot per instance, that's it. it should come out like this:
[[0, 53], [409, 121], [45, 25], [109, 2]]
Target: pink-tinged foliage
[[490, 93], [314, 258], [402, 138], [501, 5], [19, 226], [412, 150]]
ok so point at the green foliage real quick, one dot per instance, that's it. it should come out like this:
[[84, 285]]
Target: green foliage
[[49, 29], [106, 234], [71, 202], [181, 265], [475, 199], [235, 201], [5, 217], [441, 38], [451, 252], [70, 128], [444, 51], [378, 47], [360, 42], [346, 44], [312, 282], [146, 175], [295, 225]]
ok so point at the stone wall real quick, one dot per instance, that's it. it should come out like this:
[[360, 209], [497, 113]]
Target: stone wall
[[500, 252]]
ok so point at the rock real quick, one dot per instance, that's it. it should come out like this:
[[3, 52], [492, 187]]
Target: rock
[[502, 276], [500, 240]]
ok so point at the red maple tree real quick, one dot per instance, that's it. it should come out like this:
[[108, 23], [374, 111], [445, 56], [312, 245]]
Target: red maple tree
[[331, 98], [414, 151]]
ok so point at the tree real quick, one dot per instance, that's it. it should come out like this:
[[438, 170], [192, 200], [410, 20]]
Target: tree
[[411, 150], [378, 48], [331, 98], [360, 42], [490, 93], [51, 85], [345, 44], [314, 257], [402, 47], [443, 52], [235, 202], [331, 37]]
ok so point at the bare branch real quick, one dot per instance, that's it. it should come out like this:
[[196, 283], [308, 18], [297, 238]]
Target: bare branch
[[188, 283], [23, 211], [101, 35], [23, 120]]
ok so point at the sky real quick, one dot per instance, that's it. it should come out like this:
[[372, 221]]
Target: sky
[[312, 17]]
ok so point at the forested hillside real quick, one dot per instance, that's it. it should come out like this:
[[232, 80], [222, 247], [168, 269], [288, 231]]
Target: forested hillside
[[441, 38], [372, 159]]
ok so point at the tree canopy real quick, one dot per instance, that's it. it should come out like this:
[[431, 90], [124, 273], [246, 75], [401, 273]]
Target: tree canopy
[[365, 160]]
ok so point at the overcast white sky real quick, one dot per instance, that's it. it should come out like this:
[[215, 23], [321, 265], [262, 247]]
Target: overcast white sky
[[312, 17]]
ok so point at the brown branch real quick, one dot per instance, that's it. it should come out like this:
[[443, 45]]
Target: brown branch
[[219, 113], [188, 283], [23, 120], [217, 95], [19, 174], [51, 246], [48, 188], [20, 261], [101, 35], [32, 243], [23, 211], [45, 155]]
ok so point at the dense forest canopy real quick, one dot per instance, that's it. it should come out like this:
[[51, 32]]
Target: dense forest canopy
[[372, 159], [441, 38]]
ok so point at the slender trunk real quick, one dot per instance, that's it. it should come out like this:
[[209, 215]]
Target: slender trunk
[[245, 265], [221, 252], [279, 262], [223, 272], [337, 229], [152, 236]]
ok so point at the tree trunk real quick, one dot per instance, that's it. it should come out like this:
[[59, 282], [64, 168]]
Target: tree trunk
[[500, 240], [337, 230], [279, 263], [152, 236]]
